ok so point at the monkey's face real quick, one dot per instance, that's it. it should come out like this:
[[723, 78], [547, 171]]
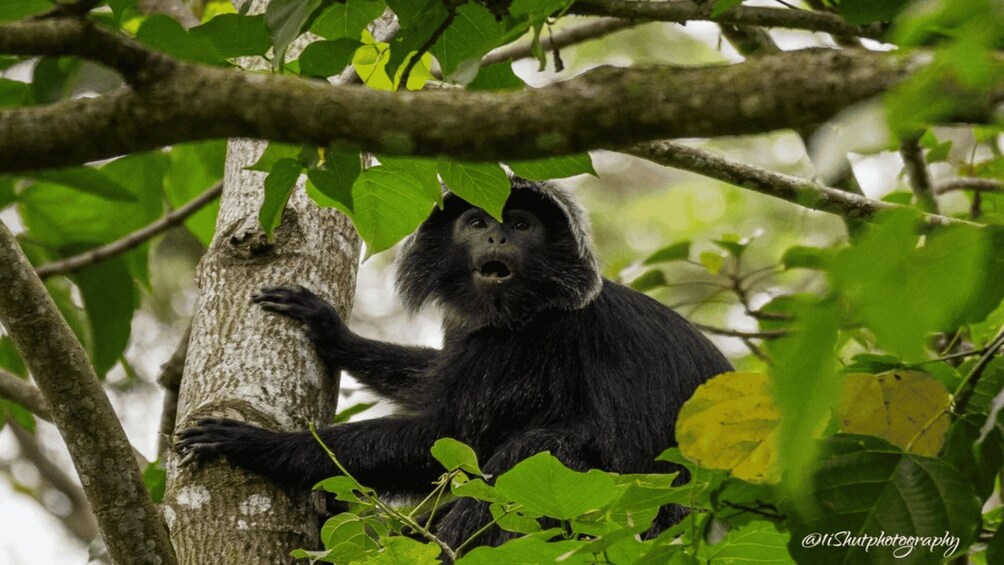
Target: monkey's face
[[498, 253]]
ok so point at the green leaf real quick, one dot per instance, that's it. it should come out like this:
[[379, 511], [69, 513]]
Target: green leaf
[[155, 479], [419, 21], [722, 6], [284, 20], [473, 33], [801, 257], [713, 262], [527, 549], [497, 78], [345, 489], [195, 167], [109, 298], [344, 415], [14, 93], [53, 79], [649, 280], [166, 34], [426, 171], [805, 385], [542, 485], [978, 461], [756, 542], [868, 11], [483, 185], [454, 455], [278, 186], [400, 550], [898, 290], [334, 182], [89, 180], [234, 35], [476, 488], [521, 8], [990, 384], [11, 10], [59, 216], [387, 206], [347, 20], [866, 486], [679, 251], [322, 59], [273, 153], [554, 167]]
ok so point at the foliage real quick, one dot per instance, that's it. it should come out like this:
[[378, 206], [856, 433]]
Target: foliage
[[868, 403]]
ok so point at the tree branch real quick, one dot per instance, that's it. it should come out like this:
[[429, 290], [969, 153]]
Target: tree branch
[[130, 524], [920, 178], [969, 183], [559, 39], [682, 11], [132, 240], [81, 38], [80, 521], [792, 189], [604, 108], [22, 392]]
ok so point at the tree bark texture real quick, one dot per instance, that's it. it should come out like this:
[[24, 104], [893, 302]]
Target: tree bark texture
[[251, 365]]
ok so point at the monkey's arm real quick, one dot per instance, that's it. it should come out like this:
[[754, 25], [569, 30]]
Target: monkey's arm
[[387, 454], [391, 370]]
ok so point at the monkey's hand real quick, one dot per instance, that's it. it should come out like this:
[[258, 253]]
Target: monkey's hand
[[213, 437], [324, 326]]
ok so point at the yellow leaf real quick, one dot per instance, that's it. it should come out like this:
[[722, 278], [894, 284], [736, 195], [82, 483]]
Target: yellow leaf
[[896, 406], [731, 423]]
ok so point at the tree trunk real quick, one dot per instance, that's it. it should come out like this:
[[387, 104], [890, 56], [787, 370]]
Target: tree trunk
[[251, 365]]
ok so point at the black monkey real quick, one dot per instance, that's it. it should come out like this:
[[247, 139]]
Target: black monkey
[[540, 353]]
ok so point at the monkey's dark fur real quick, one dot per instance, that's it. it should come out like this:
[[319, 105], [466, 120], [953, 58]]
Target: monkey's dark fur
[[540, 354]]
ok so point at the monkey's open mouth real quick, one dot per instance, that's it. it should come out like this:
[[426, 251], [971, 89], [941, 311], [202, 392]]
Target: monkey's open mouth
[[494, 271]]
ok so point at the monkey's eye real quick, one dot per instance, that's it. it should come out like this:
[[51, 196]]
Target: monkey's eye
[[521, 225], [477, 223]]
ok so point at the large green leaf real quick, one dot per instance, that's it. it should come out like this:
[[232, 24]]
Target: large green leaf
[[284, 20], [483, 185], [278, 186], [898, 290], [757, 542], [322, 59], [554, 167], [863, 485], [542, 485], [805, 386], [388, 205], [235, 35], [347, 19], [472, 34], [453, 455], [166, 34], [109, 297], [195, 167], [17, 9]]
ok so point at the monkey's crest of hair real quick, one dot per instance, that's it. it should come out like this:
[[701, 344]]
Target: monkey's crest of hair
[[566, 276]]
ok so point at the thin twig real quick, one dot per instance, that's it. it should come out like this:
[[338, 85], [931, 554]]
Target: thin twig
[[970, 184], [134, 239], [682, 11], [799, 191], [762, 334], [451, 14], [559, 39], [24, 393], [920, 178]]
